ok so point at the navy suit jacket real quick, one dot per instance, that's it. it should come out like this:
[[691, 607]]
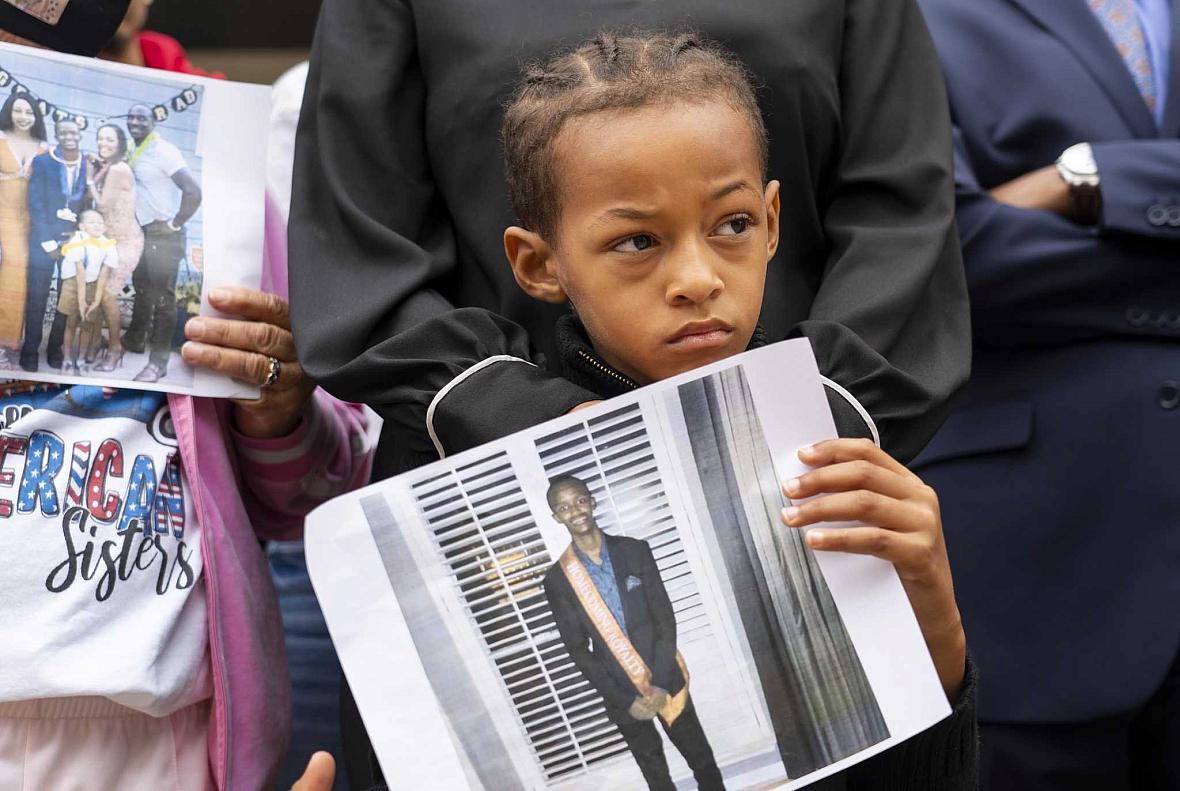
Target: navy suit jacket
[[1059, 469], [47, 195]]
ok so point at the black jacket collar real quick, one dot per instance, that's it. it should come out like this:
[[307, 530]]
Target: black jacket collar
[[581, 365]]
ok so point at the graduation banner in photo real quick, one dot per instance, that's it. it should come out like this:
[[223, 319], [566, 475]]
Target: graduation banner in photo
[[525, 614], [126, 195]]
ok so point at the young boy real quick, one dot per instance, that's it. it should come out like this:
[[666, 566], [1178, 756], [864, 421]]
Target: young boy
[[87, 260], [637, 168]]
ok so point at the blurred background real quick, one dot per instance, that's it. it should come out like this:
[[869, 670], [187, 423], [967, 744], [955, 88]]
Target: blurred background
[[248, 40]]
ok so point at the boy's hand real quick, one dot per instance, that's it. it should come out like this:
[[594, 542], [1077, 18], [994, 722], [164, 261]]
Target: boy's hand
[[640, 709], [862, 483], [657, 699]]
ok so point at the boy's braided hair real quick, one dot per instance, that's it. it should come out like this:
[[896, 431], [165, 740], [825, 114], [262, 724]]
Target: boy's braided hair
[[611, 73]]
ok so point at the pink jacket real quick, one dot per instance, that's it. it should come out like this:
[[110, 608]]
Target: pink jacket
[[245, 490]]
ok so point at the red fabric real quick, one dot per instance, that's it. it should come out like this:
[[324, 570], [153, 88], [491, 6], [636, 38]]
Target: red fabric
[[164, 52]]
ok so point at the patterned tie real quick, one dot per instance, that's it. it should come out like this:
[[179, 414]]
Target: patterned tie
[[1121, 23]]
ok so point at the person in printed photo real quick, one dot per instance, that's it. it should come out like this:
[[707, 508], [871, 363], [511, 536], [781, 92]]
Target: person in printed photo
[[86, 264], [57, 192], [112, 188], [167, 196], [613, 613], [22, 137]]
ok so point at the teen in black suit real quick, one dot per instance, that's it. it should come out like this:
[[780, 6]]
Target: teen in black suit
[[636, 595]]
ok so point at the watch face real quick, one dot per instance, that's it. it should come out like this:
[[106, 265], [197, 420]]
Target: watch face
[[82, 27], [1079, 160]]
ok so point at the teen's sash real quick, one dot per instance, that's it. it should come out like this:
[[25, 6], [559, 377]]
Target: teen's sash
[[615, 638]]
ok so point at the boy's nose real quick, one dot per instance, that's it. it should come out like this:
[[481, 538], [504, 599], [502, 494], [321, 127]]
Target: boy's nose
[[693, 278]]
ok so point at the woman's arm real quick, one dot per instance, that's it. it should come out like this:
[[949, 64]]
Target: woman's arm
[[890, 321], [373, 247]]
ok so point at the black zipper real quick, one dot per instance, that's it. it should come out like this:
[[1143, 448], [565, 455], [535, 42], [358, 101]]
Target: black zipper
[[618, 377]]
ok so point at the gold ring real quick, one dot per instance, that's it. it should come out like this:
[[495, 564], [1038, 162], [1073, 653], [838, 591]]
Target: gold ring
[[272, 373]]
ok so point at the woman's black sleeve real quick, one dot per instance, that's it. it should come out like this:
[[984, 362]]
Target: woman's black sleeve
[[890, 322], [370, 241]]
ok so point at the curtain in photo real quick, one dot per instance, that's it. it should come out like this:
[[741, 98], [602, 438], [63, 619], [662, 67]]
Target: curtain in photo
[[820, 702]]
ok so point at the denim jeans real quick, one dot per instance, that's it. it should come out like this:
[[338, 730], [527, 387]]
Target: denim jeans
[[315, 670]]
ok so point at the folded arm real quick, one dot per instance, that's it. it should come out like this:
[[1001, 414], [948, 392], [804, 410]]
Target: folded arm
[[1140, 187], [1037, 277]]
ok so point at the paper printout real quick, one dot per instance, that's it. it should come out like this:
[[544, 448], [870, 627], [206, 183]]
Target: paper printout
[[208, 133], [485, 652]]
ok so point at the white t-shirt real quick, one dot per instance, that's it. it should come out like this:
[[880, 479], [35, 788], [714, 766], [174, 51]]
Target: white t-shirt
[[102, 592], [92, 252], [72, 174], [154, 164]]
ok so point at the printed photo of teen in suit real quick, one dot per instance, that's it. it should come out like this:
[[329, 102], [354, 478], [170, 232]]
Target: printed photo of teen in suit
[[617, 623]]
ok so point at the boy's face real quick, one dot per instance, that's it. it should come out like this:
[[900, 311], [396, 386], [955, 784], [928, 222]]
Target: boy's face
[[93, 224], [663, 239], [68, 136], [573, 507]]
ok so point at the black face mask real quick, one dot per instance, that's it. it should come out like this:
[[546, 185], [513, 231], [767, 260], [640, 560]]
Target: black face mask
[[84, 27]]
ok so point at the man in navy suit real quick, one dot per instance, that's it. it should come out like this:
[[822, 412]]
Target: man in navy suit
[[57, 187], [1059, 470], [620, 575]]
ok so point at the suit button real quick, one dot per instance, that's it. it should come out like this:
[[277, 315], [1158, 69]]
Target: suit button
[[1157, 215], [1174, 216], [1170, 395], [1136, 316]]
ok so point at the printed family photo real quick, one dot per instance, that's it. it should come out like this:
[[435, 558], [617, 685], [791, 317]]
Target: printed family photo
[[612, 602], [102, 221]]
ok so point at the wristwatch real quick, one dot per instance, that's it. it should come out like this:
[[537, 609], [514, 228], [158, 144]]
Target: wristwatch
[[1080, 173]]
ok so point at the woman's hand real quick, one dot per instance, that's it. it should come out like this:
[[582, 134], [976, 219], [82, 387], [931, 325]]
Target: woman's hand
[[243, 348], [860, 482]]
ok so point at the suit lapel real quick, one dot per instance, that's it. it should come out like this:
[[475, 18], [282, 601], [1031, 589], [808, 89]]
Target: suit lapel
[[1171, 127], [1074, 24]]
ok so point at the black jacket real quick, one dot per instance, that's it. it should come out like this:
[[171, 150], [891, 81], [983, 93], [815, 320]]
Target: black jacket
[[398, 280], [944, 757], [650, 619]]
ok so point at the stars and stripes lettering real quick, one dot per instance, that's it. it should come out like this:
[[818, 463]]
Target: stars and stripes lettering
[[148, 500], [79, 461], [43, 461], [108, 461], [17, 446]]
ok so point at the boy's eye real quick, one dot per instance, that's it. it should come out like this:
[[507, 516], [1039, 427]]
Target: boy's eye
[[635, 244], [734, 226]]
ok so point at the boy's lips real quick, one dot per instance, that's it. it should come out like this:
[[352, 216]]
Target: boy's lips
[[696, 335]]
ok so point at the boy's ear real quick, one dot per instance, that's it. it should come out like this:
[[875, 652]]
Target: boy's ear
[[534, 265], [772, 218]]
